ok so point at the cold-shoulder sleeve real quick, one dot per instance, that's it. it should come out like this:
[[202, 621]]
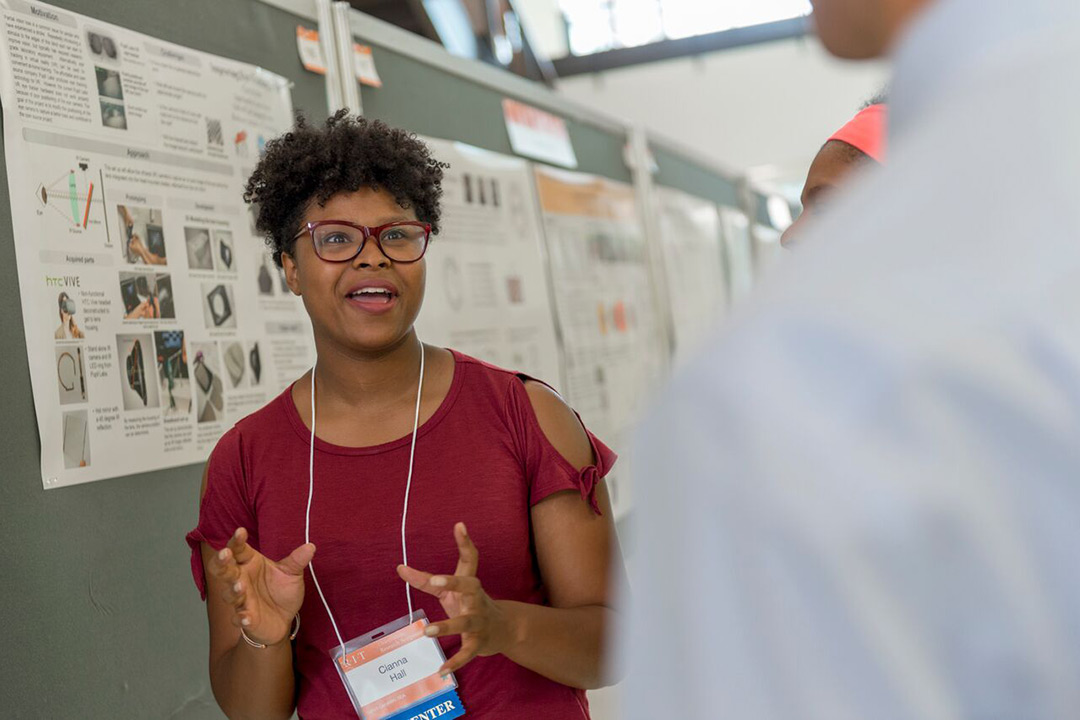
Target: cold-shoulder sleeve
[[225, 507], [546, 470]]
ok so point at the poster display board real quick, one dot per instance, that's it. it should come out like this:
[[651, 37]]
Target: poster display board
[[693, 261], [738, 251], [613, 343], [487, 292], [153, 317]]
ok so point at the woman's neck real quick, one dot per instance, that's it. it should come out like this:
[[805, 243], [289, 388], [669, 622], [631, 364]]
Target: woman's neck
[[370, 380]]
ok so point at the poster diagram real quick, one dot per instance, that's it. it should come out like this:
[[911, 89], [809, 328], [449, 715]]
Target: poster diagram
[[606, 304], [71, 197], [144, 288], [487, 292], [694, 266]]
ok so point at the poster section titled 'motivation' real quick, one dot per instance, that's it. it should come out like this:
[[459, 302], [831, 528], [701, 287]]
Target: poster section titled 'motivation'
[[487, 292], [153, 317], [693, 256], [605, 299]]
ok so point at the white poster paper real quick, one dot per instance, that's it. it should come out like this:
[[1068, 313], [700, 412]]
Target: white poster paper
[[487, 292], [153, 317], [538, 134], [694, 267], [614, 349], [364, 66], [310, 50]]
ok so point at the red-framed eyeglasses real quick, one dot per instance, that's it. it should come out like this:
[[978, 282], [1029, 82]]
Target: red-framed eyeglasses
[[341, 241]]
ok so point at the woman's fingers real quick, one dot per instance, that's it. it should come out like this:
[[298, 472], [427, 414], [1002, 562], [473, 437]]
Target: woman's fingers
[[225, 567], [298, 560], [245, 617], [464, 577], [438, 584], [469, 649], [455, 583], [417, 579], [468, 556], [238, 544], [454, 626], [235, 594]]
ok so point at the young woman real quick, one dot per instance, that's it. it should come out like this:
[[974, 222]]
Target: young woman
[[485, 477]]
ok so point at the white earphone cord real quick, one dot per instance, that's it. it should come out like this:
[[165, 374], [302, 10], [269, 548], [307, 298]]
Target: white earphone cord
[[408, 481], [404, 511]]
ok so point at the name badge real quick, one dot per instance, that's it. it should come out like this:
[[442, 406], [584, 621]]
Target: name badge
[[392, 673]]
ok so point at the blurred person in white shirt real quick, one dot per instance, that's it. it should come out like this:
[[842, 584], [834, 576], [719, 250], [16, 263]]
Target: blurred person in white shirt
[[863, 501]]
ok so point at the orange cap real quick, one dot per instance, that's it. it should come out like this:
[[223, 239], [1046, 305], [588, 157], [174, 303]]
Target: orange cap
[[866, 132]]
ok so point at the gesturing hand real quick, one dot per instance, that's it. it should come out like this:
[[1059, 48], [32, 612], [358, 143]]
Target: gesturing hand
[[265, 595], [472, 614]]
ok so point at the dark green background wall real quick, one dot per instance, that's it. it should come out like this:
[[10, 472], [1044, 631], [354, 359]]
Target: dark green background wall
[[100, 617], [437, 103]]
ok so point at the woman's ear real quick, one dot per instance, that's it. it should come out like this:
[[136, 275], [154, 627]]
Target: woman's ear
[[292, 272]]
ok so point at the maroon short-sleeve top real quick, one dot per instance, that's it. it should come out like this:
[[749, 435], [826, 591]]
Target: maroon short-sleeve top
[[482, 458]]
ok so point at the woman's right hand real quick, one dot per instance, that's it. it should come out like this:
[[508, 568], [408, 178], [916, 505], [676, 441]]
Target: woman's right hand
[[265, 595]]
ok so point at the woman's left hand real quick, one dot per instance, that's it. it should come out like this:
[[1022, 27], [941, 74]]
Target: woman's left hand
[[479, 620]]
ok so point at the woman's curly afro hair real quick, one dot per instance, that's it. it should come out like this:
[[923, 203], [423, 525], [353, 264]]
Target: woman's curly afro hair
[[312, 164]]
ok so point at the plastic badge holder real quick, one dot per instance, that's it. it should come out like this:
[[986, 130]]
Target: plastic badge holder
[[392, 673]]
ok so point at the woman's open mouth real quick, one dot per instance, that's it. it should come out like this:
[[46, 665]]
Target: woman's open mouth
[[373, 297]]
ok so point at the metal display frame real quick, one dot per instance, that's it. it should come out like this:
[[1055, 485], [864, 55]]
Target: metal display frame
[[640, 159]]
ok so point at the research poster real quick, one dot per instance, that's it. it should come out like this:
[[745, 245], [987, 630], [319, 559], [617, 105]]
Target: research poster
[[487, 292], [692, 253], [614, 348], [154, 317]]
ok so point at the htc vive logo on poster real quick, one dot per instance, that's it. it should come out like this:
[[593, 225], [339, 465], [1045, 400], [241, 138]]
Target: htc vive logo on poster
[[65, 281]]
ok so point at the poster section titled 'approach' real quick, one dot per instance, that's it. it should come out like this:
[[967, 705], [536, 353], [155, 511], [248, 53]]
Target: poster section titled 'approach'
[[154, 318], [487, 292], [693, 265], [605, 301]]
